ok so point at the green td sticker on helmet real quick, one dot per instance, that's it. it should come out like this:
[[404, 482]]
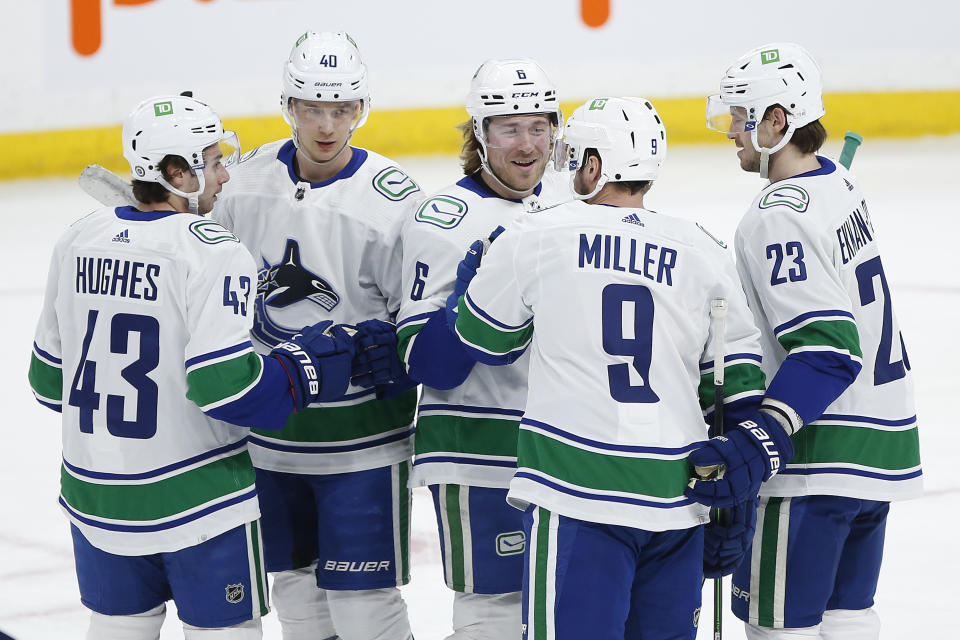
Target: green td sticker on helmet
[[597, 104], [163, 108], [770, 55], [511, 543]]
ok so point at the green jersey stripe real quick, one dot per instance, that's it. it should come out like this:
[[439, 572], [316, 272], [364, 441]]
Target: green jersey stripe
[[484, 436], [479, 333], [214, 383], [646, 477], [841, 335], [352, 422], [46, 380], [162, 499], [770, 527], [739, 378], [405, 338], [877, 448]]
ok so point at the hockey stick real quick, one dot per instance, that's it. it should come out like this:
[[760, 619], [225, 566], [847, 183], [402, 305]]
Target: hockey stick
[[106, 187], [851, 141], [718, 317]]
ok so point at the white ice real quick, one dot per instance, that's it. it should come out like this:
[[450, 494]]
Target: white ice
[[908, 186]]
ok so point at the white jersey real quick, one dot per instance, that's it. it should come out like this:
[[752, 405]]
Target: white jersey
[[144, 317], [326, 251], [808, 256], [614, 306], [466, 435]]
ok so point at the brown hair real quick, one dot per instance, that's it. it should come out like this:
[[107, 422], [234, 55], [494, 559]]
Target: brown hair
[[154, 192], [808, 138], [470, 150]]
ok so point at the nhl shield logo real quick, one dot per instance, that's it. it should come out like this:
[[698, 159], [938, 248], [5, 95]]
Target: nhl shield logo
[[234, 593]]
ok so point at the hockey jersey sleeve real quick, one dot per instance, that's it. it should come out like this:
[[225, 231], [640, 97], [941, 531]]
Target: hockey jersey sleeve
[[46, 361], [430, 351], [226, 378], [802, 299], [494, 322], [744, 380]]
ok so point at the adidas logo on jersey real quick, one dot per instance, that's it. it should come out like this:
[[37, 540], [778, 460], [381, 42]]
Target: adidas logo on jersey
[[633, 219], [849, 186], [123, 236]]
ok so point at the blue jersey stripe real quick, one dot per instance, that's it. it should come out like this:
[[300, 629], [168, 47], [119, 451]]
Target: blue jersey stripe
[[866, 419], [217, 354], [147, 528], [486, 316], [603, 498], [470, 409], [324, 449], [612, 447], [789, 324], [48, 356], [97, 475], [851, 472], [704, 366], [465, 460]]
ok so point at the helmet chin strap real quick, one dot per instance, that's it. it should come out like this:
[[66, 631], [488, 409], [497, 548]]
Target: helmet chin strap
[[496, 178], [579, 196], [766, 152], [193, 199]]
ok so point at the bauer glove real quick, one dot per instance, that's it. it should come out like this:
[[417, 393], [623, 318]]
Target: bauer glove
[[730, 468], [317, 361]]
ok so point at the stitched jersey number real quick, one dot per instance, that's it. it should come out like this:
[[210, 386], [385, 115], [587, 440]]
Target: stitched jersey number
[[230, 297], [883, 370], [423, 270], [791, 249], [627, 318], [83, 394]]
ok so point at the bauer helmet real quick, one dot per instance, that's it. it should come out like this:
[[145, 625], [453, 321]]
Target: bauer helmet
[[780, 73], [174, 125], [325, 67], [627, 133], [510, 88]]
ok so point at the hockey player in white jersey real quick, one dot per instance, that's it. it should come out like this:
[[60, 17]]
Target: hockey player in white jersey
[[612, 302], [467, 424], [143, 345], [322, 219], [840, 381]]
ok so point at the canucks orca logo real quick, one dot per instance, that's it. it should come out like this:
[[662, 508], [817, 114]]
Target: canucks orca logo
[[285, 283]]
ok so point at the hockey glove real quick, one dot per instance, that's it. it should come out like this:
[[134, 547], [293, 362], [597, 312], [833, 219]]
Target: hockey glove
[[730, 468], [466, 270], [317, 361], [376, 361], [724, 545]]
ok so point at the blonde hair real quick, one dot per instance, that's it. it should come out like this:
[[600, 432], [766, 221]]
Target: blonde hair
[[470, 151]]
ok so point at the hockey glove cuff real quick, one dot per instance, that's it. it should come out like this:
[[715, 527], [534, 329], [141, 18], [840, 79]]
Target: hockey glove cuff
[[725, 545]]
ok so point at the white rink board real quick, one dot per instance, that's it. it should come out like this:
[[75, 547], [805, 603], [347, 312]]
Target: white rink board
[[908, 186]]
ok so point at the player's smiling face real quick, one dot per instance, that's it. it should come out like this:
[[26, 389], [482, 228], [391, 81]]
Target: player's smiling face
[[323, 128], [518, 148]]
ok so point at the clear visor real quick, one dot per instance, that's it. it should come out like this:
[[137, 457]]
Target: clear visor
[[726, 118], [224, 152], [565, 157], [534, 130], [316, 114]]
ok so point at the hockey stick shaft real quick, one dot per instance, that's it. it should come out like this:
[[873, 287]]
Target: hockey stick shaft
[[851, 141], [718, 318], [106, 187]]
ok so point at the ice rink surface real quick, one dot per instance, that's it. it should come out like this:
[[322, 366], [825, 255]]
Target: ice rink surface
[[908, 186]]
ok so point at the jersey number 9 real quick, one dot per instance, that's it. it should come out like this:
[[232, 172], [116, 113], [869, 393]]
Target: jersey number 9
[[627, 317]]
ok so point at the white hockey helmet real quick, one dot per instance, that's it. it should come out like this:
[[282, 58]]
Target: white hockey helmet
[[178, 126], [627, 133], [780, 73], [510, 88], [325, 67]]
